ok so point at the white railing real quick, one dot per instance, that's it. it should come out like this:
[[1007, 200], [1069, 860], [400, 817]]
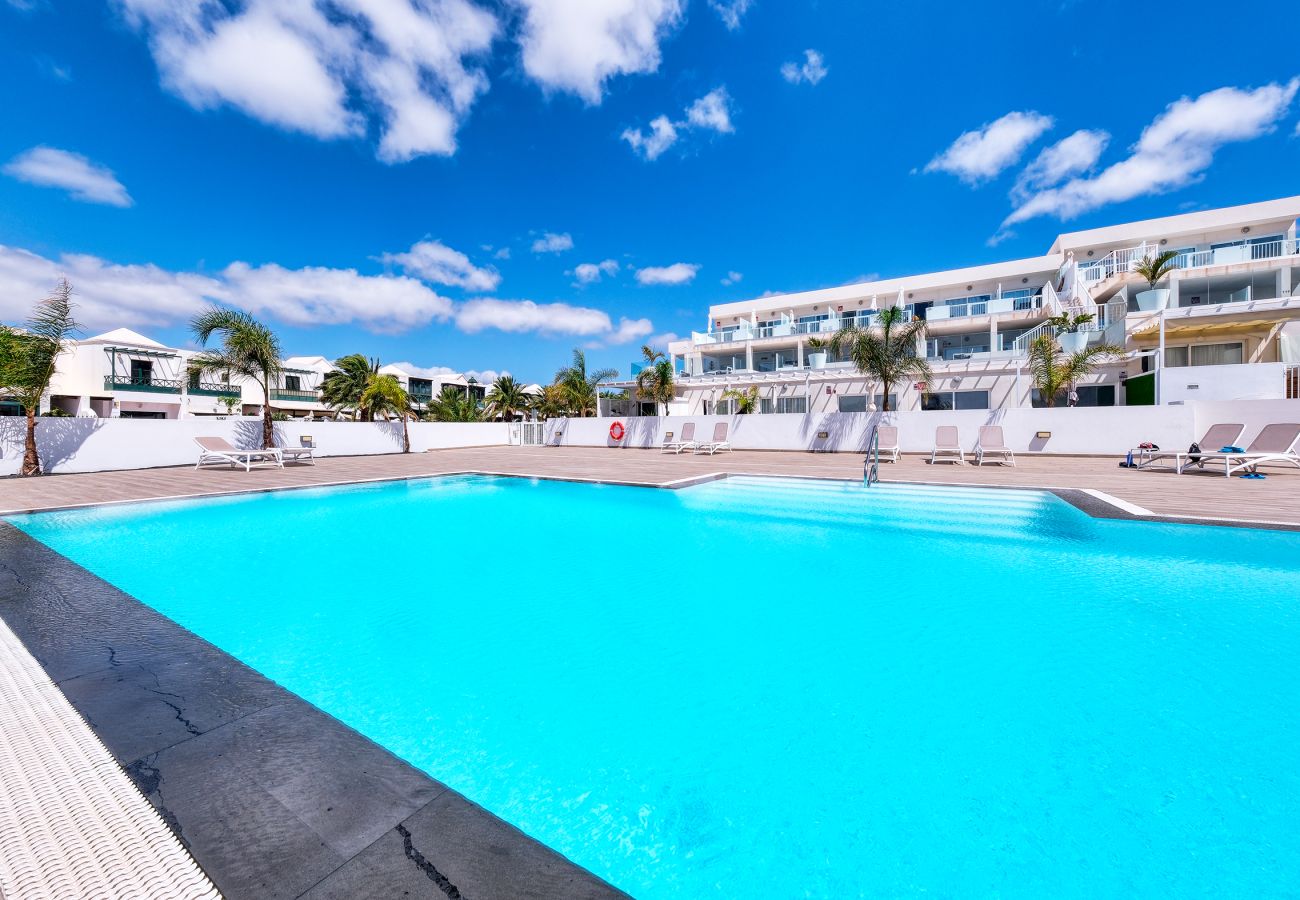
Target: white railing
[[1124, 261]]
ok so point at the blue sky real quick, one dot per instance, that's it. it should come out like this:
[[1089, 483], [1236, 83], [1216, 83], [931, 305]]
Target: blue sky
[[485, 185]]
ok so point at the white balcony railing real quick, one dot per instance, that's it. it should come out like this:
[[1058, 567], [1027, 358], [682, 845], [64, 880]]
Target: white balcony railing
[[1121, 262]]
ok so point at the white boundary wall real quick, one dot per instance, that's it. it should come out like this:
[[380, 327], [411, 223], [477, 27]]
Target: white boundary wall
[[1083, 430], [98, 445]]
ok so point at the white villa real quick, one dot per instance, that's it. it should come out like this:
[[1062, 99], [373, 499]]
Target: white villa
[[1224, 325], [122, 374]]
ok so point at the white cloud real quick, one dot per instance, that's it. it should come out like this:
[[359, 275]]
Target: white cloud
[[1073, 155], [424, 371], [436, 262], [677, 273], [810, 71], [663, 134], [338, 65], [663, 340], [731, 11], [484, 376], [550, 242], [320, 296], [74, 173], [630, 330], [711, 111], [981, 154], [577, 45], [503, 253], [589, 273], [524, 315], [732, 278], [1172, 152], [107, 295]]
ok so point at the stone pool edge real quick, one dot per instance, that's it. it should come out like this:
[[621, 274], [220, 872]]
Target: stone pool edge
[[270, 795]]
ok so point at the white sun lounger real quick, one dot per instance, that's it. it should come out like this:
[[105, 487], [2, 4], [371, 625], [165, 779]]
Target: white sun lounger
[[220, 450], [687, 441], [992, 444], [947, 445], [887, 442], [307, 451], [1275, 443], [1220, 435], [719, 441]]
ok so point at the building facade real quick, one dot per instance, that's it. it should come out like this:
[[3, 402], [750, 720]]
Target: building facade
[[1223, 325]]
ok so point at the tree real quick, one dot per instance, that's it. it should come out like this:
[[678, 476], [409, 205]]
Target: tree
[[454, 405], [384, 396], [507, 399], [655, 381], [1155, 269], [29, 358], [342, 388], [746, 399], [554, 402], [580, 386], [1053, 371], [1068, 323], [248, 348], [888, 354]]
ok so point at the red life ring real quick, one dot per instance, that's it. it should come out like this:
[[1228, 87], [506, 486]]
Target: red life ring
[[616, 431]]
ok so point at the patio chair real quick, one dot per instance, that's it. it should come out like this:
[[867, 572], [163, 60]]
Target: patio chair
[[992, 444], [220, 450], [1220, 435], [719, 441], [306, 451], [947, 445], [887, 442], [1275, 443], [687, 441]]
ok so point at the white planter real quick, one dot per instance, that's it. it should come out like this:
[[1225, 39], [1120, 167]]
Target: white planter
[[817, 359], [1073, 341], [1153, 301]]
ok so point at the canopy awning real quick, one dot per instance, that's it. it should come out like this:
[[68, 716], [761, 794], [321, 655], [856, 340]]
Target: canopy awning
[[1207, 329], [137, 351]]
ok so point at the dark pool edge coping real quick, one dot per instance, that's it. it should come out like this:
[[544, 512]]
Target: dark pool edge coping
[[269, 794]]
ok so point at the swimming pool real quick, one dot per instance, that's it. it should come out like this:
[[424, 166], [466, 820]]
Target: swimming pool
[[776, 687]]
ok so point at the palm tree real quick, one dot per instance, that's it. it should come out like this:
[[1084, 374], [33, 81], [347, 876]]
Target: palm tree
[[746, 399], [384, 396], [248, 348], [452, 405], [342, 388], [29, 358], [888, 355], [1155, 269], [507, 399], [581, 387], [655, 381], [554, 402], [1053, 371]]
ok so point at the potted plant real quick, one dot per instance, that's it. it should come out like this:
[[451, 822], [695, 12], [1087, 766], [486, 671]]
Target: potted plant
[[1154, 270], [816, 355], [1068, 335]]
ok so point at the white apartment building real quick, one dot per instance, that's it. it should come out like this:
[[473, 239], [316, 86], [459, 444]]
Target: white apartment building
[[1224, 325], [123, 374]]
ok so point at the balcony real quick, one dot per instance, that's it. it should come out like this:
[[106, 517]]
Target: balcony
[[984, 307], [212, 389], [137, 383], [1124, 261], [295, 396]]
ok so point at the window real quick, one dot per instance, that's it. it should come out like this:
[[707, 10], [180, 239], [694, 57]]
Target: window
[[719, 407], [141, 371], [292, 383], [880, 401], [853, 402], [1204, 355], [792, 404], [1215, 354], [955, 400]]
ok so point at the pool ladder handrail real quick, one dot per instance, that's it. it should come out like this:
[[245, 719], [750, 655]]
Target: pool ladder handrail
[[871, 465]]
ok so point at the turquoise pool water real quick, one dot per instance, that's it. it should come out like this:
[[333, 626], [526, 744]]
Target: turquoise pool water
[[777, 688]]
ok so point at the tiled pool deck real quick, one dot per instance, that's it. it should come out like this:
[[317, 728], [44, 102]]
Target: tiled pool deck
[[274, 798], [1198, 495]]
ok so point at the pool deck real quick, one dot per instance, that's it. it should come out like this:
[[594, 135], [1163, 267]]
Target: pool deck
[[1153, 492], [274, 798]]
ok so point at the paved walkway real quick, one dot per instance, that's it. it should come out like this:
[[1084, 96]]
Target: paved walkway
[[1197, 495]]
